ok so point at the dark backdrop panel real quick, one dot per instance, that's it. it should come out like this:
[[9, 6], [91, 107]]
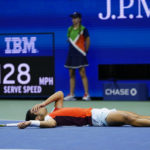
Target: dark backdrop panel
[[124, 72]]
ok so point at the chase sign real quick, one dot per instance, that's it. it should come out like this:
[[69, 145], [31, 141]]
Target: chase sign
[[125, 91]]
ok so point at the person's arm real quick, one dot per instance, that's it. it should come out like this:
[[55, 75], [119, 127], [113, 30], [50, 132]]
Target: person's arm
[[57, 97], [87, 39], [87, 43], [50, 123]]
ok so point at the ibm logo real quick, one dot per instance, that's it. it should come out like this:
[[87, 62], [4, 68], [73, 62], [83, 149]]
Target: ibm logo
[[18, 45], [141, 5]]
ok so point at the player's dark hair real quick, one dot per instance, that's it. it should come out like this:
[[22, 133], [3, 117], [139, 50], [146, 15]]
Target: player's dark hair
[[30, 116]]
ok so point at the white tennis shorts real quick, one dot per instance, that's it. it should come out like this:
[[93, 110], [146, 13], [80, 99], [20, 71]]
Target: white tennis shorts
[[99, 116]]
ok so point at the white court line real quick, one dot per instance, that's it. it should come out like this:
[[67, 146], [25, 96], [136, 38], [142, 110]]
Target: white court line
[[19, 149], [10, 120]]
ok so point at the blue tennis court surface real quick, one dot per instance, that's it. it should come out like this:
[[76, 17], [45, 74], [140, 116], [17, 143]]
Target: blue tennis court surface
[[75, 138]]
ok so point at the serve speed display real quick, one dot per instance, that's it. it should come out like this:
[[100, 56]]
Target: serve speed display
[[27, 65]]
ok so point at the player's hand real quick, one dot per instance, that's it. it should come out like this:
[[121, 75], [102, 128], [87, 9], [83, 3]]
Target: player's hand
[[37, 107], [23, 125]]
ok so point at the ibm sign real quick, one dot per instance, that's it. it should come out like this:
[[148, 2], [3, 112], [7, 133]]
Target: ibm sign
[[27, 65], [125, 91], [20, 45]]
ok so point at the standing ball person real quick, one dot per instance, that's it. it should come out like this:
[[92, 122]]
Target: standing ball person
[[79, 42]]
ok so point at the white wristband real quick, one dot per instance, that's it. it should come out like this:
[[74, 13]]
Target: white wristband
[[35, 123]]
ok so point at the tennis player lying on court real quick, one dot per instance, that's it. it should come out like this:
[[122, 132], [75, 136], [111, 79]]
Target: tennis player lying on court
[[39, 116]]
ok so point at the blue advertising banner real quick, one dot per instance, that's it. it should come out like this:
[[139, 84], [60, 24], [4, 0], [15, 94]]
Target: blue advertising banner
[[119, 32], [125, 91]]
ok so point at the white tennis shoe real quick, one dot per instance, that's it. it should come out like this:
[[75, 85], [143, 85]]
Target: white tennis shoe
[[86, 97], [69, 98]]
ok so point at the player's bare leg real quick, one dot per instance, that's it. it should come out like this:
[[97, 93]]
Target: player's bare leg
[[137, 115], [119, 118]]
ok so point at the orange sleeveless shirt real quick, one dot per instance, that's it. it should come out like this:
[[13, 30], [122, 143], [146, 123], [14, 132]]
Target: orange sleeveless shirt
[[72, 116]]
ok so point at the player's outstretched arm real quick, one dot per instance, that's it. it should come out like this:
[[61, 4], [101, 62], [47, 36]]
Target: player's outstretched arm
[[57, 97], [51, 123]]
